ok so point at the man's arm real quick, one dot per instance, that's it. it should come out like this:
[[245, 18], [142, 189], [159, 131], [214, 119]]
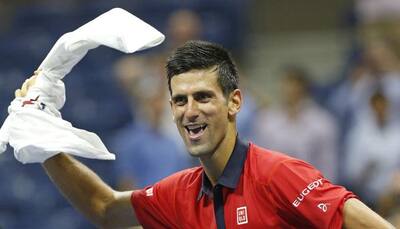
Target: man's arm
[[84, 189], [358, 215], [89, 194]]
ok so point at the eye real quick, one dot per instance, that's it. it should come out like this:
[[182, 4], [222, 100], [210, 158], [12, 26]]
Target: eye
[[203, 97], [179, 100]]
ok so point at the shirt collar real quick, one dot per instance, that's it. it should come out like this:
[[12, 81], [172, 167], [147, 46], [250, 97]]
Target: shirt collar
[[231, 174]]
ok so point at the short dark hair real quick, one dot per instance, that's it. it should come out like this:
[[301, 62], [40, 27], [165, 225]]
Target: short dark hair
[[298, 74], [203, 55]]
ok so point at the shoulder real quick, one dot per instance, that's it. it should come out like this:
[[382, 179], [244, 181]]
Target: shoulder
[[266, 166], [263, 164], [169, 187], [183, 179], [266, 158]]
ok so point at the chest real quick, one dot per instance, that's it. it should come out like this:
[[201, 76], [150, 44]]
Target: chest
[[243, 208]]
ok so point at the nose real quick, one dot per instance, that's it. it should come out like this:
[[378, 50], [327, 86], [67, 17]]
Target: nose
[[192, 110]]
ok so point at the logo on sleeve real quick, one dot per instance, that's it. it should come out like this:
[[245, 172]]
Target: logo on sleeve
[[323, 207], [149, 191], [241, 214], [310, 187]]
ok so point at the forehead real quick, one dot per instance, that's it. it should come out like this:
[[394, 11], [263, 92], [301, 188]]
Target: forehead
[[195, 80]]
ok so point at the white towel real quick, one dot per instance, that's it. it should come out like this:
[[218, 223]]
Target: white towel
[[34, 127]]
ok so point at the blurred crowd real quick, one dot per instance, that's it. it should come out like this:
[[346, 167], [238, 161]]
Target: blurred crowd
[[350, 129]]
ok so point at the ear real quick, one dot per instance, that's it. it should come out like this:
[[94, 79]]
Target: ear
[[172, 110], [234, 102]]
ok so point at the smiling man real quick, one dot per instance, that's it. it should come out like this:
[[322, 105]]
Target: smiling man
[[238, 185]]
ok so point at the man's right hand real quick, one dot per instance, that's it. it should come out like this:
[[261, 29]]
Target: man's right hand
[[26, 85]]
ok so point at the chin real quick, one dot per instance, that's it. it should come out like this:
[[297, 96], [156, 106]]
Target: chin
[[199, 150]]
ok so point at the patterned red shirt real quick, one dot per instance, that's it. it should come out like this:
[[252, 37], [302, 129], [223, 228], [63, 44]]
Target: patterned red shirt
[[260, 189]]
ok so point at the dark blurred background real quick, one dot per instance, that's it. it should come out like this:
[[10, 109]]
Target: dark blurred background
[[321, 83]]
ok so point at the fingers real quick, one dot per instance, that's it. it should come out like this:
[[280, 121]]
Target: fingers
[[18, 93], [26, 85]]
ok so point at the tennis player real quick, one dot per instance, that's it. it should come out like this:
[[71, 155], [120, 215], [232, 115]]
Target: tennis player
[[238, 185]]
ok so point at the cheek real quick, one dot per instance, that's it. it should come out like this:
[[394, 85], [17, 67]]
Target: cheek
[[218, 113], [176, 115], [209, 110]]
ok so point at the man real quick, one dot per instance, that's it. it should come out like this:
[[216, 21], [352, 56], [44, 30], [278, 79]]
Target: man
[[374, 142], [237, 184]]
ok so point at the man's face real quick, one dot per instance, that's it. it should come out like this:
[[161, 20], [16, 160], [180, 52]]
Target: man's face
[[200, 111]]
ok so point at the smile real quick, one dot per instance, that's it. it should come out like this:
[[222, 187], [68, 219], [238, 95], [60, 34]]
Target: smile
[[195, 131]]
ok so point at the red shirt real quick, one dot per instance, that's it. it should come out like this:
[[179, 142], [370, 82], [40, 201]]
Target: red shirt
[[260, 189]]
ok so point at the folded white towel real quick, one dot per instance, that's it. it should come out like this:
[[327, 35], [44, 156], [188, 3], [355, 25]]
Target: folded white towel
[[34, 127]]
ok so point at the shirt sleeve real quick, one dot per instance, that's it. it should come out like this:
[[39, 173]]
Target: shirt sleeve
[[154, 205], [304, 198]]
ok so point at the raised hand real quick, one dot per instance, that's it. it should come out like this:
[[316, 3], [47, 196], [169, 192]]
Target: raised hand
[[26, 85]]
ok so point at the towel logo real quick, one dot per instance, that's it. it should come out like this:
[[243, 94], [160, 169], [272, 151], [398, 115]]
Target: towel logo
[[40, 106], [241, 214], [30, 101]]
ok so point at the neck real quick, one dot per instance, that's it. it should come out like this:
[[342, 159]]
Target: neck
[[215, 164]]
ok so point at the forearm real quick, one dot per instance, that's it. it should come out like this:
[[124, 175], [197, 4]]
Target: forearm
[[82, 187], [358, 215]]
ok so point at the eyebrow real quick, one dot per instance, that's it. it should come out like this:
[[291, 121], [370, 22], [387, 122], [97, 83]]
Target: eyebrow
[[177, 96], [204, 91]]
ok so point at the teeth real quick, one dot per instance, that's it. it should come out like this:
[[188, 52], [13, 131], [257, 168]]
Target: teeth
[[193, 127]]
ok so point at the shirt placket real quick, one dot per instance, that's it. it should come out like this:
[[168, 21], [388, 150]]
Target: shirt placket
[[219, 206]]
